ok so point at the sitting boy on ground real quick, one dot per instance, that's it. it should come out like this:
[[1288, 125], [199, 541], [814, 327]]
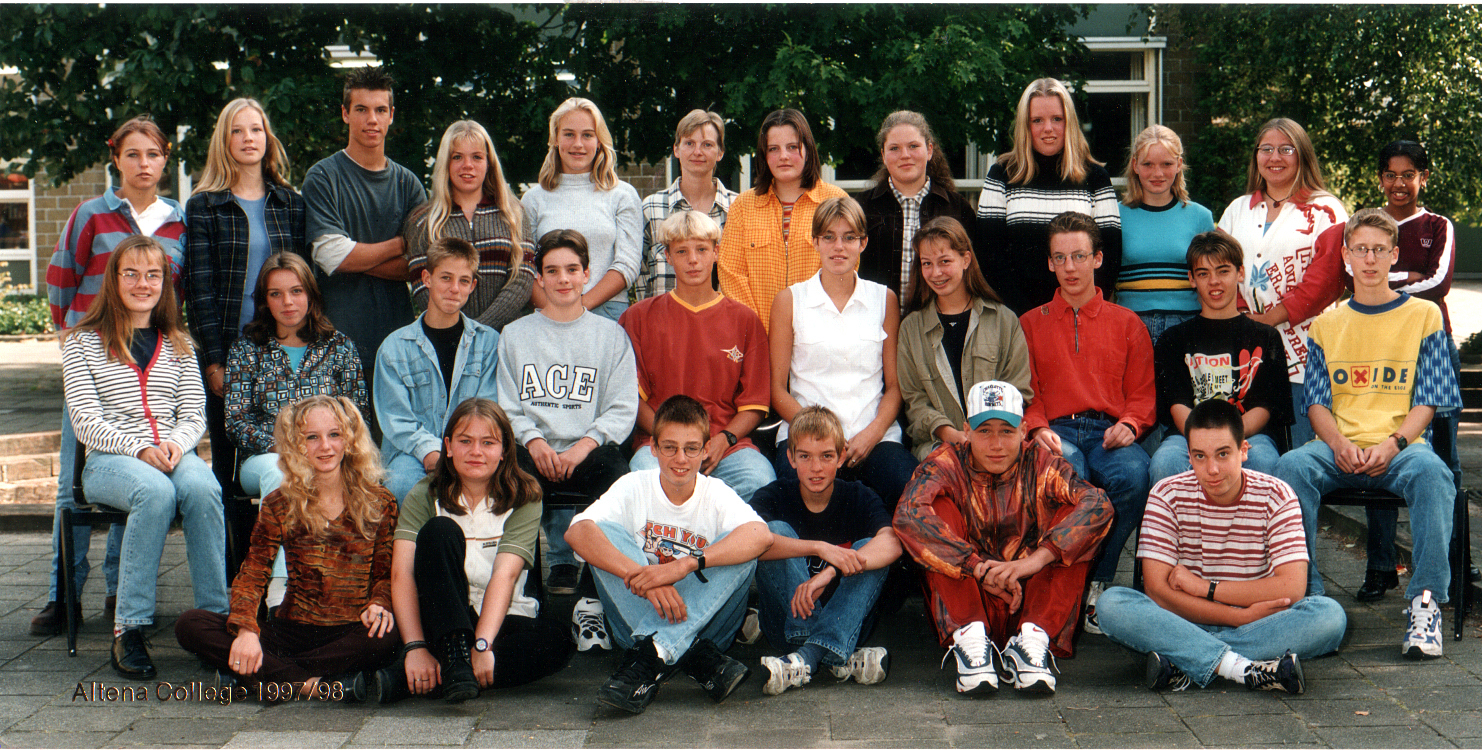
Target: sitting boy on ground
[[832, 545], [674, 551]]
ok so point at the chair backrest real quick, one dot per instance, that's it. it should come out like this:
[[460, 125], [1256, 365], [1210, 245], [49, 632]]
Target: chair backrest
[[79, 459]]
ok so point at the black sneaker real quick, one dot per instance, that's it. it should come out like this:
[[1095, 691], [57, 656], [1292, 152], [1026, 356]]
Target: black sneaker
[[352, 686], [1284, 674], [719, 674], [390, 684], [635, 683], [1163, 675], [562, 580], [458, 681]]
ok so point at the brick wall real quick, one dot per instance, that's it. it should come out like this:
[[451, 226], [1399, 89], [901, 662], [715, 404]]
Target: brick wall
[[645, 178], [54, 206], [1178, 86]]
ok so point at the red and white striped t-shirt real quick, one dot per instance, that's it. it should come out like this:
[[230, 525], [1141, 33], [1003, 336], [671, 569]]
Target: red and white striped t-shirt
[[1240, 542]]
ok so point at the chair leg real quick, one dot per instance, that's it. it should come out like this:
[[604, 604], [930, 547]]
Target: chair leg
[[1461, 562], [67, 587]]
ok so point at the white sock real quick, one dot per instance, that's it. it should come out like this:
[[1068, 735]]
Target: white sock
[[663, 653], [1233, 666]]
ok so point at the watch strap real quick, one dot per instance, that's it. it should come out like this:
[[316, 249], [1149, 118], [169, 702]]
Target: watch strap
[[1210, 595]]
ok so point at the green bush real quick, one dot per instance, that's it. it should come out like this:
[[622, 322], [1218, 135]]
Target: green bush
[[1472, 346], [24, 313]]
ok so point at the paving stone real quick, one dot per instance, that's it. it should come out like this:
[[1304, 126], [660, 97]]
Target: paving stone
[[1160, 739], [291, 739], [57, 739], [1267, 730], [904, 723], [1018, 735], [302, 718], [1125, 695], [1455, 698], [38, 683], [1220, 700], [1003, 708], [1329, 668], [768, 737], [422, 731], [1379, 711], [1099, 719], [193, 732], [1455, 724], [1411, 737], [528, 738], [1326, 690], [84, 718], [1422, 674]]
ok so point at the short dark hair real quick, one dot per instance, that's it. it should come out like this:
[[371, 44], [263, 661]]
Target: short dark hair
[[1216, 414], [557, 239], [1410, 149], [681, 410], [373, 78], [1071, 222], [1217, 245]]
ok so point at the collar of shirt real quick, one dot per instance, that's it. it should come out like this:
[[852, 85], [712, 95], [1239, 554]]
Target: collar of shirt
[[674, 197], [814, 294], [919, 197], [1060, 308]]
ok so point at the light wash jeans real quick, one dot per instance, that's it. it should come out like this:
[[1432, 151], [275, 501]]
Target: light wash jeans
[[835, 626], [613, 308], [403, 472], [1121, 472], [744, 471], [713, 610], [1172, 456], [1159, 322], [151, 498], [1313, 626], [259, 476], [1416, 474], [82, 536]]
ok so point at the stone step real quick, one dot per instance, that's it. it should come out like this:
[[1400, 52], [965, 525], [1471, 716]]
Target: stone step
[[32, 478], [41, 490], [30, 466], [28, 443]]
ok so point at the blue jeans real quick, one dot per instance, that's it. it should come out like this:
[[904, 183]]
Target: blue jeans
[[1301, 429], [402, 474], [1313, 626], [744, 471], [1416, 474], [1158, 322], [613, 308], [259, 476], [713, 610], [151, 498], [835, 626], [1172, 456], [1121, 472], [82, 536], [887, 470]]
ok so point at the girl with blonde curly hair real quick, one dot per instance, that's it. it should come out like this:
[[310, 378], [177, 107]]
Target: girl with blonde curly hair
[[336, 522]]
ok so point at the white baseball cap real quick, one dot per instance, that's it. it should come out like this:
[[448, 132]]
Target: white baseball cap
[[994, 399]]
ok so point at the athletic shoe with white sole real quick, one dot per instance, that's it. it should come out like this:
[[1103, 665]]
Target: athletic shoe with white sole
[[1092, 594], [1163, 675], [638, 677], [976, 674], [867, 666], [1027, 661], [1423, 639], [785, 672], [1284, 675], [588, 626]]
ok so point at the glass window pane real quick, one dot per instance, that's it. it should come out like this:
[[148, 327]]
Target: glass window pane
[[19, 270]]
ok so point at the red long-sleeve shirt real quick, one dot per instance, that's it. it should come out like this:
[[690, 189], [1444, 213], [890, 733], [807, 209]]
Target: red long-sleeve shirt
[[1098, 357]]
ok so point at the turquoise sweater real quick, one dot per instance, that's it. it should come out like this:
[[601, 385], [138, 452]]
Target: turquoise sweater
[[1154, 276]]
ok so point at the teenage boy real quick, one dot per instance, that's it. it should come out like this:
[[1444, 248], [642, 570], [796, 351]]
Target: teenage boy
[[1091, 368], [568, 383], [695, 341], [699, 143], [1220, 354], [425, 370], [1006, 531], [357, 201], [1378, 368], [832, 546], [1225, 568], [674, 552]]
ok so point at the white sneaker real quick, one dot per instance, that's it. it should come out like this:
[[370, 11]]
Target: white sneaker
[[588, 626], [866, 665], [1027, 660], [974, 651], [1092, 594], [786, 672], [1423, 640], [751, 628]]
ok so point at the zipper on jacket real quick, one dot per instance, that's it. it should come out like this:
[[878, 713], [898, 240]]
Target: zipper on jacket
[[1076, 318]]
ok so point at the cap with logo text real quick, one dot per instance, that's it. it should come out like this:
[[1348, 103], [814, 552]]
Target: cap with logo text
[[994, 399]]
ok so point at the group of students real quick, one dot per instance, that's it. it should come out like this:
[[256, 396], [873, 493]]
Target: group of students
[[993, 446]]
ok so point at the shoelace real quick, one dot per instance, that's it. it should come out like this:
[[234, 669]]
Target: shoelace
[[975, 649], [795, 669], [635, 670], [1263, 673], [1421, 622], [1038, 653], [588, 621]]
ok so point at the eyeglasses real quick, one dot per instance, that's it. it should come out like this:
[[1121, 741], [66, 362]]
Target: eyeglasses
[[1079, 259], [1379, 252], [149, 277], [1283, 150], [831, 238], [669, 450], [1392, 176]]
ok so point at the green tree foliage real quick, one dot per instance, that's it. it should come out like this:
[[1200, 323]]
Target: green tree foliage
[[1355, 76]]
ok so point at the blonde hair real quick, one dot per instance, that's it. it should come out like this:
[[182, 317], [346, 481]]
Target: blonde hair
[[604, 165], [833, 209], [1075, 154], [108, 317], [221, 170], [1373, 218], [1155, 135], [360, 468], [451, 248], [439, 206], [1309, 171], [688, 225], [816, 422], [699, 118]]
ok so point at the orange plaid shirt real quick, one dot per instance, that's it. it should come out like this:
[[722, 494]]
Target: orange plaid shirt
[[755, 264]]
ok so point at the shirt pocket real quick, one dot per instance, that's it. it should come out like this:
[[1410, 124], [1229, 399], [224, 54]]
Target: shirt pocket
[[417, 380]]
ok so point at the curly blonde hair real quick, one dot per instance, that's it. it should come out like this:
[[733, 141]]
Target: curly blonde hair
[[360, 469]]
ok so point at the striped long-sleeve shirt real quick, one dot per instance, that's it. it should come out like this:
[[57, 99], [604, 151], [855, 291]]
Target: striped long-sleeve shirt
[[117, 407], [75, 274]]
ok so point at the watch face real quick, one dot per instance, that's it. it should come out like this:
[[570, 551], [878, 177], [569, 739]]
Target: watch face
[[481, 645]]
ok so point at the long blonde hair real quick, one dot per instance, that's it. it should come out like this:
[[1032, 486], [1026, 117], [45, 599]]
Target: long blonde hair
[[1075, 155], [439, 207], [1155, 135], [108, 317], [1309, 171], [360, 469], [221, 170], [604, 165]]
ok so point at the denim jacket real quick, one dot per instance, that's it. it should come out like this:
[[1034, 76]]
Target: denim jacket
[[411, 401]]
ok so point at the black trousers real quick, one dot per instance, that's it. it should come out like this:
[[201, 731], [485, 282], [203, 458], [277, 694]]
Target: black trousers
[[526, 648], [291, 651], [588, 480]]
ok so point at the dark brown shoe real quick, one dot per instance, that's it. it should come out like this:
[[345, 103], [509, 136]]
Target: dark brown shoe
[[52, 620], [130, 657]]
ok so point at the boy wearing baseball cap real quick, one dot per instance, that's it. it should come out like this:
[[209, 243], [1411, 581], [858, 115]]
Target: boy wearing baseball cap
[[1006, 532]]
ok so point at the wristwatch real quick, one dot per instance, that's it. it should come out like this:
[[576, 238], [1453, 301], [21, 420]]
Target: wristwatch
[[1212, 584], [1400, 440], [481, 645], [699, 556], [730, 437]]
